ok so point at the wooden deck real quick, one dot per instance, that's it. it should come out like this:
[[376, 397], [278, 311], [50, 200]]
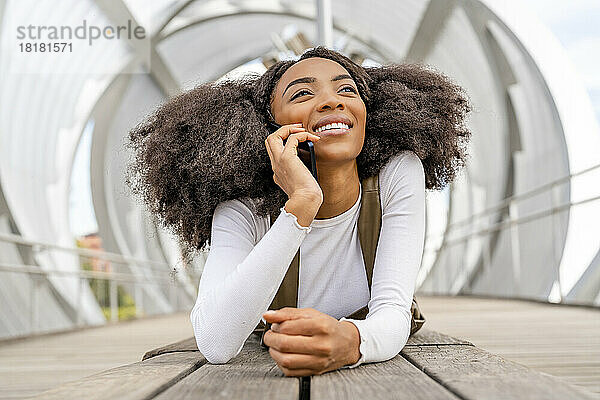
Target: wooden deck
[[30, 366], [431, 366], [562, 341]]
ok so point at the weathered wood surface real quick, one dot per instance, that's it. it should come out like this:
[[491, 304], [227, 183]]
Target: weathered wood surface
[[252, 374], [431, 366], [427, 337], [473, 373], [393, 379], [188, 344], [140, 380], [33, 365], [560, 340], [422, 337]]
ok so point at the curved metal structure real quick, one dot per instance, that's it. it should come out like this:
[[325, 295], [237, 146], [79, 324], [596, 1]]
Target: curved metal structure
[[531, 128]]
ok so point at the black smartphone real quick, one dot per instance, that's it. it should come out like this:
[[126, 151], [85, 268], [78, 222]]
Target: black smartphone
[[306, 152]]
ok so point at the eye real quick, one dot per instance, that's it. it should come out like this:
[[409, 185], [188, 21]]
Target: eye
[[349, 87], [299, 93]]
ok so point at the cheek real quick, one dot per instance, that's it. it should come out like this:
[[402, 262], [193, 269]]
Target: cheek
[[293, 114], [359, 110]]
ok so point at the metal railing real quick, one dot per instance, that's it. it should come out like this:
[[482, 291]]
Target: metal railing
[[162, 275], [511, 219], [112, 279]]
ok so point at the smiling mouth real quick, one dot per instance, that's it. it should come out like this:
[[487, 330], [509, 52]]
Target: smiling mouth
[[334, 130], [333, 126]]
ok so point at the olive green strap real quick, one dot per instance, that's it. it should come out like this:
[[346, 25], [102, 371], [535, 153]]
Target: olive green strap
[[369, 223], [287, 294]]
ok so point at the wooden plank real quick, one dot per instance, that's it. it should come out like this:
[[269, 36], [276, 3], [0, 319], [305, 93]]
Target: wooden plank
[[140, 380], [525, 332], [393, 379], [426, 337], [252, 374], [473, 373], [32, 365], [422, 337], [188, 344]]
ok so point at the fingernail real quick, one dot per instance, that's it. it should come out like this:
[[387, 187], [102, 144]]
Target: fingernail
[[270, 312], [275, 327]]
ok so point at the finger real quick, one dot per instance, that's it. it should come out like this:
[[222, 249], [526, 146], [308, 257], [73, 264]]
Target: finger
[[287, 130], [306, 327], [291, 145], [275, 140], [286, 313], [298, 372], [293, 343], [268, 146], [295, 362]]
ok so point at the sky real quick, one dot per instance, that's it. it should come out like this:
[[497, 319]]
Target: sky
[[576, 24]]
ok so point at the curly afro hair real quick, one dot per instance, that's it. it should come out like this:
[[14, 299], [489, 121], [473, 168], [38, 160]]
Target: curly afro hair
[[207, 145]]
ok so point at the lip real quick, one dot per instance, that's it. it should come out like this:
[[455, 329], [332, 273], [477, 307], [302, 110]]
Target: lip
[[329, 119]]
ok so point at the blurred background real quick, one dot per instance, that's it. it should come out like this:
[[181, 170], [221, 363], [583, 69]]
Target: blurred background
[[518, 230]]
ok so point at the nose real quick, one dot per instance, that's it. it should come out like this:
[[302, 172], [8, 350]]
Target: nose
[[330, 101]]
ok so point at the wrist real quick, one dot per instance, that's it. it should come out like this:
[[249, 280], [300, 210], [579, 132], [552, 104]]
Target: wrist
[[352, 335], [304, 208], [308, 196]]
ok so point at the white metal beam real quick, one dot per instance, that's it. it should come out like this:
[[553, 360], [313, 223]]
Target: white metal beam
[[432, 23]]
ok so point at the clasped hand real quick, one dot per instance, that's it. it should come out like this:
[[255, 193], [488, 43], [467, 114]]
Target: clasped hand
[[304, 341]]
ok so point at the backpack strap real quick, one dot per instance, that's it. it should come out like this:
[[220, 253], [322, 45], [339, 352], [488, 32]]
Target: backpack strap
[[369, 225]]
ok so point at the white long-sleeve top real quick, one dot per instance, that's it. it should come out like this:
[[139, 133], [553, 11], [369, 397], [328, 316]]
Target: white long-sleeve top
[[247, 262]]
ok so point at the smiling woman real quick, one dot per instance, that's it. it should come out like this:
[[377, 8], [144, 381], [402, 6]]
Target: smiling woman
[[209, 168]]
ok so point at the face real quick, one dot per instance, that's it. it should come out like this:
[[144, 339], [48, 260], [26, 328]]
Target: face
[[316, 92]]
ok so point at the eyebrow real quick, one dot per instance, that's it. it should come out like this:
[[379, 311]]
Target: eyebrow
[[310, 79]]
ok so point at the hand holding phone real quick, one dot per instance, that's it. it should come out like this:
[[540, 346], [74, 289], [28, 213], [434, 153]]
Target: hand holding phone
[[306, 152]]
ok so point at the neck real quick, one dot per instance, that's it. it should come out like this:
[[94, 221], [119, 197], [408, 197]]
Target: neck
[[341, 187]]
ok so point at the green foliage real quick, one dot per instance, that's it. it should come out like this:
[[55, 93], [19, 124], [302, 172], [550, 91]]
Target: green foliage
[[101, 290]]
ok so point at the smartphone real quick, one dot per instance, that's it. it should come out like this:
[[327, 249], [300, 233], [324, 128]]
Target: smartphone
[[306, 152]]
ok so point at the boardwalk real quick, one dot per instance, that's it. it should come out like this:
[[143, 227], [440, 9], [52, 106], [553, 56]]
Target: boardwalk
[[30, 366], [562, 341]]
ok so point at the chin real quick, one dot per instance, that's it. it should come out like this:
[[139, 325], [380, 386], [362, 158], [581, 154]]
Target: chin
[[335, 154]]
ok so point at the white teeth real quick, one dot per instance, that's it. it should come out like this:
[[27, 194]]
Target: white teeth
[[335, 125]]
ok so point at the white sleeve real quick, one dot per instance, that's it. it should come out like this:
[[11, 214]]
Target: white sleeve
[[385, 330], [240, 279]]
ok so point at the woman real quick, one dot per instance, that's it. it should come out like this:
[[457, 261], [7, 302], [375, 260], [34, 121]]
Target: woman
[[201, 167]]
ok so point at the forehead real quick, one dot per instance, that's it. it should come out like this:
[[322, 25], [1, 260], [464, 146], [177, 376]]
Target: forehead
[[317, 67]]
